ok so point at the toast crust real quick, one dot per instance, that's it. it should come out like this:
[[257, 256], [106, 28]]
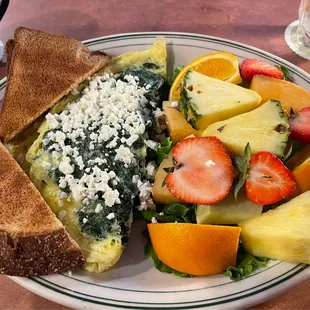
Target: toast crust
[[32, 240], [9, 46], [43, 68]]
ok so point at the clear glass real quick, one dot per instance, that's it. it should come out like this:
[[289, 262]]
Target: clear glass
[[304, 22]]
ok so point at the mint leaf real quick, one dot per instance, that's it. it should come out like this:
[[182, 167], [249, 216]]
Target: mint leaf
[[176, 71], [163, 149]]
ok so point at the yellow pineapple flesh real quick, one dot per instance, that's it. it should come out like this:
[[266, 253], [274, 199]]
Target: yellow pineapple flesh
[[282, 233]]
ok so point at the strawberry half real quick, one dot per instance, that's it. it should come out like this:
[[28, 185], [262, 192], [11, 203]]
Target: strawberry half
[[251, 67], [268, 181], [203, 172], [300, 125]]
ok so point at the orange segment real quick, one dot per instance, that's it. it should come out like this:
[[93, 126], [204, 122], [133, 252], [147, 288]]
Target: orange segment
[[195, 249], [220, 65], [299, 164]]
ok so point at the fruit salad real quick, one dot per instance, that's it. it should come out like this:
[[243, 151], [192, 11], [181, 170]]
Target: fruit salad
[[232, 185]]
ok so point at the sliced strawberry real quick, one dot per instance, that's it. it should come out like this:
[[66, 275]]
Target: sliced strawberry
[[203, 172], [300, 125], [251, 67], [269, 181]]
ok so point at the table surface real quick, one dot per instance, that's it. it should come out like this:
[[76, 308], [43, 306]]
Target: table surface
[[257, 23]]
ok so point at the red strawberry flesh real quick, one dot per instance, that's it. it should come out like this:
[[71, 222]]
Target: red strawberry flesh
[[205, 172], [269, 180], [300, 125], [251, 67]]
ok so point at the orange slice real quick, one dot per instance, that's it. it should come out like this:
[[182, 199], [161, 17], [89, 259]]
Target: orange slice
[[220, 65], [195, 249]]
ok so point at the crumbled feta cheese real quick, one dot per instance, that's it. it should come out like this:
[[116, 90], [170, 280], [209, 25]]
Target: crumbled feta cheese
[[158, 112], [85, 220], [161, 213], [110, 216], [65, 166], [154, 220], [151, 144], [146, 201], [124, 154], [150, 170], [98, 208], [109, 111], [136, 179], [174, 104]]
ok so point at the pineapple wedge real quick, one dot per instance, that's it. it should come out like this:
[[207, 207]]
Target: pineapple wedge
[[206, 100], [265, 128], [283, 233]]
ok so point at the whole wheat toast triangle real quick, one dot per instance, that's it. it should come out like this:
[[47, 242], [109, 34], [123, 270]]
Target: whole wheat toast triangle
[[42, 69], [32, 240]]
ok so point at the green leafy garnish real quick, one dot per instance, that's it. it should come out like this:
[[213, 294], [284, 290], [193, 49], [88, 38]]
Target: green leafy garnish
[[286, 73], [246, 265], [186, 213], [175, 212], [175, 73], [163, 149], [242, 163], [149, 214], [149, 252]]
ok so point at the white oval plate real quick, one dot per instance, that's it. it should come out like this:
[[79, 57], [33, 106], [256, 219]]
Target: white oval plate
[[134, 283]]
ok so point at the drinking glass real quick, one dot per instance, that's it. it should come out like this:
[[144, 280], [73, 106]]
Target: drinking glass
[[303, 30]]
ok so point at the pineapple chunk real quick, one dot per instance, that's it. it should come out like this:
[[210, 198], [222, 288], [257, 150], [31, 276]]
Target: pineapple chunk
[[228, 211], [283, 233], [265, 128], [207, 100], [161, 193], [177, 125]]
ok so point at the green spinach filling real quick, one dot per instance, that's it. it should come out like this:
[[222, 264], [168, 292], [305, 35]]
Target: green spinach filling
[[97, 224]]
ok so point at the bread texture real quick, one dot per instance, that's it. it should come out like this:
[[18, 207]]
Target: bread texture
[[42, 69], [9, 46], [32, 240]]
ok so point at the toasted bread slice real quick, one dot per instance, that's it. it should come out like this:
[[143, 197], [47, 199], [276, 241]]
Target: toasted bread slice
[[9, 46], [32, 240], [43, 69]]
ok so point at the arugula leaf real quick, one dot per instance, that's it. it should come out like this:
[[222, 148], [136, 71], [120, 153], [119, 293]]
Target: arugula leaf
[[149, 252], [175, 73], [246, 265], [163, 149]]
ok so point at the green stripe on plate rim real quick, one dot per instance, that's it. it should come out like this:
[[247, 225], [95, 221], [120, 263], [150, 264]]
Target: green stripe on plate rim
[[281, 278], [203, 38], [167, 292], [294, 69]]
